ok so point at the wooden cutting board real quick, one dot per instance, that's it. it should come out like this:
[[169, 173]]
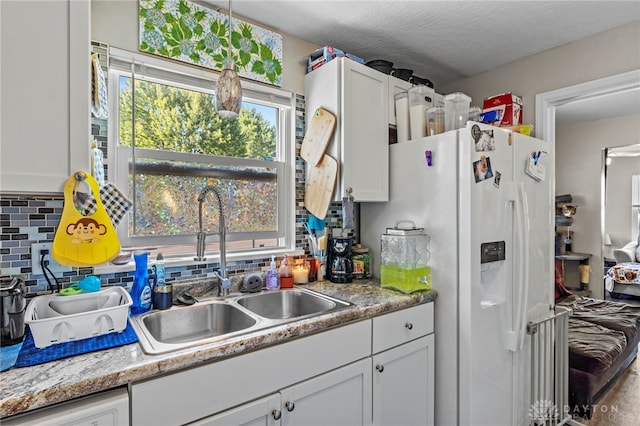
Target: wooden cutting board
[[320, 185], [318, 135]]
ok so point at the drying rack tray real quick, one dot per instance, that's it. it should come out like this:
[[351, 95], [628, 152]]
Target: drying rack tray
[[57, 319]]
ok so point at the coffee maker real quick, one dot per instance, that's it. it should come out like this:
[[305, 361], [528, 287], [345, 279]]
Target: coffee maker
[[340, 268]]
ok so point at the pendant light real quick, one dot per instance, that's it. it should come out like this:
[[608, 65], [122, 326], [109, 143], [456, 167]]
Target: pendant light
[[228, 89]]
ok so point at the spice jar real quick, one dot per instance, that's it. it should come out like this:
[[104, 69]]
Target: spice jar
[[361, 260]]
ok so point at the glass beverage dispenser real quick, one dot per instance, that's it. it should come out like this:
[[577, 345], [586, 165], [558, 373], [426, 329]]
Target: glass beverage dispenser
[[405, 258]]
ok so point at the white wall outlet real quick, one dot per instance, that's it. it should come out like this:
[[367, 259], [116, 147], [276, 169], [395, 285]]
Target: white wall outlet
[[36, 255]]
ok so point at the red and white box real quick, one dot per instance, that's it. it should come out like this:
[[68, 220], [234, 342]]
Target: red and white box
[[510, 106], [324, 54]]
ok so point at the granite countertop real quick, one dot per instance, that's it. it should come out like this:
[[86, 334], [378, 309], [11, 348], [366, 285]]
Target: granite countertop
[[28, 388]]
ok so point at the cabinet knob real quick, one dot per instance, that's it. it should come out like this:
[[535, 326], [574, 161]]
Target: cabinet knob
[[276, 414], [290, 406], [380, 368], [409, 325]]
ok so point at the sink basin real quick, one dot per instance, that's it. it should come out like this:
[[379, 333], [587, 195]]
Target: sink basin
[[161, 331], [287, 304], [196, 323]]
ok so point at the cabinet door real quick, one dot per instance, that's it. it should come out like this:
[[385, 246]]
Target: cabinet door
[[45, 109], [340, 397], [403, 384], [396, 86], [263, 412], [109, 408], [365, 132]]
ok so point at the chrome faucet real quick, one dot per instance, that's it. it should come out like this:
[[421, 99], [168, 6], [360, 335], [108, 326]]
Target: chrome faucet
[[225, 282]]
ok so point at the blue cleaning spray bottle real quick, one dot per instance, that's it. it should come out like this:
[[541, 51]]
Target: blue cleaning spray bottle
[[141, 289]]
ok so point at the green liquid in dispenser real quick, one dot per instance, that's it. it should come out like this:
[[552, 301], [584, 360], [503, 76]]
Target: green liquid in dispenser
[[405, 280]]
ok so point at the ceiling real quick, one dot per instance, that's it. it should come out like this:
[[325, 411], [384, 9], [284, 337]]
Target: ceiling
[[445, 40], [603, 107]]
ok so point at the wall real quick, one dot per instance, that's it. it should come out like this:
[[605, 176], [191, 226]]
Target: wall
[[25, 220], [609, 53], [578, 165], [605, 54], [116, 23], [618, 219]]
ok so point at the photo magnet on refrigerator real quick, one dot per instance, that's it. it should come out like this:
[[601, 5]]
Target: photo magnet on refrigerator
[[484, 140], [482, 169]]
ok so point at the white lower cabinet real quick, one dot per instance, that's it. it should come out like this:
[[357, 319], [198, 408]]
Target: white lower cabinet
[[403, 384], [404, 367], [201, 392], [378, 371], [109, 408], [340, 397], [262, 412]]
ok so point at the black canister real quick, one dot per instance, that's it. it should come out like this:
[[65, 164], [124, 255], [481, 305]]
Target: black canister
[[12, 307]]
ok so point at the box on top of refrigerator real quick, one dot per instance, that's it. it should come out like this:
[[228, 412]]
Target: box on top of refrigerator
[[510, 107], [324, 54]]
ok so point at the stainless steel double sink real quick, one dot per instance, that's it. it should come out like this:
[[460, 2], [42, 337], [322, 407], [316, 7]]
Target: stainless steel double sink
[[222, 318]]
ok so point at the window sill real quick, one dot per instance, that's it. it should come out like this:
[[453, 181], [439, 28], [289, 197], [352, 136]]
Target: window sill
[[174, 262]]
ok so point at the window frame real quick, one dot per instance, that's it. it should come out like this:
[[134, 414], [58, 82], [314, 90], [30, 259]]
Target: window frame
[[159, 70]]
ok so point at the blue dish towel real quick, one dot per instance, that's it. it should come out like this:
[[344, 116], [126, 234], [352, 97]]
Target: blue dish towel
[[9, 355], [30, 355]]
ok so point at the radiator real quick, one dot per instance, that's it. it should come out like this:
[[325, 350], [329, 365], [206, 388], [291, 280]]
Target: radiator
[[550, 369]]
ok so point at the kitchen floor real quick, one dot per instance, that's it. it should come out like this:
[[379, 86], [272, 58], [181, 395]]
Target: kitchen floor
[[619, 406]]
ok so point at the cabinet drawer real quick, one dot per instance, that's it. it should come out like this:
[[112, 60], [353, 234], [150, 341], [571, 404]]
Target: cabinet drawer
[[399, 327]]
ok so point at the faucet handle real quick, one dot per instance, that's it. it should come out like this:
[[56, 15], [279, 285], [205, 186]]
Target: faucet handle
[[225, 282]]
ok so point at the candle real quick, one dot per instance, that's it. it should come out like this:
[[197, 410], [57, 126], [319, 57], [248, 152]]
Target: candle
[[300, 275]]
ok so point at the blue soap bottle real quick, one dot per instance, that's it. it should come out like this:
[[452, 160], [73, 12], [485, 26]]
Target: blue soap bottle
[[141, 289]]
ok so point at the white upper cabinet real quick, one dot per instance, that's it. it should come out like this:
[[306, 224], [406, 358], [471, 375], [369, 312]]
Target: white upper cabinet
[[358, 96], [45, 86]]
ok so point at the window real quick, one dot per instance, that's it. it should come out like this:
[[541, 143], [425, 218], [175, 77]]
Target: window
[[169, 143]]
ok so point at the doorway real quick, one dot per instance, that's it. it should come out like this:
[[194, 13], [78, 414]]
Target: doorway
[[595, 93]]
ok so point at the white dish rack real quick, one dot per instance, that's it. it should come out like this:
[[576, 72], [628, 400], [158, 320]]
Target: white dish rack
[[57, 319]]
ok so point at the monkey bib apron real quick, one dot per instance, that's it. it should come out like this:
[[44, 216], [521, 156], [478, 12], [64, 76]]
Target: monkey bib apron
[[84, 240]]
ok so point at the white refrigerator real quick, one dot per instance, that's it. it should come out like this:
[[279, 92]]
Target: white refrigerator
[[485, 197]]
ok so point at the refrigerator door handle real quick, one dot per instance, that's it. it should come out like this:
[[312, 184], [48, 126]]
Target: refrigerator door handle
[[516, 337]]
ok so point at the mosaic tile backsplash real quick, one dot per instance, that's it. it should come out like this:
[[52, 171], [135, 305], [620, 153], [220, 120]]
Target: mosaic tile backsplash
[[25, 220]]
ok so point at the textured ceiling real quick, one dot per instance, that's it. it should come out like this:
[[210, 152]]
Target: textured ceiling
[[619, 104], [439, 40]]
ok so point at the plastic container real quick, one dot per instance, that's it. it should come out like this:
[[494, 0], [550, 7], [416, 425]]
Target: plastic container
[[141, 288], [162, 292], [361, 259], [420, 99], [475, 113], [286, 273], [404, 259], [272, 278], [58, 319], [402, 116], [456, 111], [435, 121]]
